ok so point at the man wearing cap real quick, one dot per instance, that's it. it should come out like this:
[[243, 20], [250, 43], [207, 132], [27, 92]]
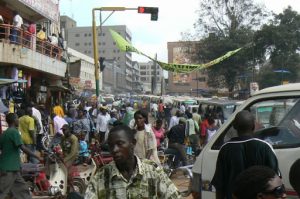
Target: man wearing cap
[[70, 146], [102, 122], [176, 137]]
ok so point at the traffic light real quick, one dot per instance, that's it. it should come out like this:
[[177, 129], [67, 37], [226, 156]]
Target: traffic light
[[101, 61], [149, 10]]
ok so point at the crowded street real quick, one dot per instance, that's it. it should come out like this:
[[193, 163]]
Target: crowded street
[[159, 100]]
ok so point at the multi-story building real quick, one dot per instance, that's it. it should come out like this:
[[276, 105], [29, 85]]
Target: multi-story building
[[81, 39], [82, 73], [137, 85], [36, 65], [147, 77], [65, 24], [184, 84]]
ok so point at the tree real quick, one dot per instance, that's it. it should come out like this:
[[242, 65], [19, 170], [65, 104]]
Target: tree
[[225, 25], [280, 41]]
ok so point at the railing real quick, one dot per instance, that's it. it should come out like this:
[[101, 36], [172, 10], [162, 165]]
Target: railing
[[18, 36]]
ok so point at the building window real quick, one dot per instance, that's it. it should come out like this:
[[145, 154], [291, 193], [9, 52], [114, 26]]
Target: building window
[[99, 34], [114, 43], [118, 58], [143, 73], [90, 43], [90, 34], [103, 51], [103, 43], [103, 34], [114, 51], [99, 43], [118, 51], [143, 79], [77, 35], [85, 43], [85, 34], [77, 44]]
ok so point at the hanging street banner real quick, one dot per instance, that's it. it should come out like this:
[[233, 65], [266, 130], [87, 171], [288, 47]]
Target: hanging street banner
[[125, 46]]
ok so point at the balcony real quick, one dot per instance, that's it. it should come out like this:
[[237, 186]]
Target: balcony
[[30, 52]]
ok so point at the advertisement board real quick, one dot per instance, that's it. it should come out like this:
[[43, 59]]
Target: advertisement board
[[180, 56]]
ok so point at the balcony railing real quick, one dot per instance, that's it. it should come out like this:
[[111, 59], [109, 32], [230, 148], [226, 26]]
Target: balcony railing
[[18, 36]]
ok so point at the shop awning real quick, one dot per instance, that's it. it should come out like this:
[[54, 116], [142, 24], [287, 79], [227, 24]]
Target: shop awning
[[4, 81]]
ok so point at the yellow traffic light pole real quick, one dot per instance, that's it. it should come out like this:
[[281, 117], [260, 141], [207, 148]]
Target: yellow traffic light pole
[[95, 39]]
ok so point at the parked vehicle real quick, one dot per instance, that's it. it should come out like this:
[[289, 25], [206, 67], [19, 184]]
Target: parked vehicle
[[277, 114], [223, 108]]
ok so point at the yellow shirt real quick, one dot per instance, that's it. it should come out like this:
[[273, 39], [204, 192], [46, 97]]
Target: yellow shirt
[[26, 124], [41, 35]]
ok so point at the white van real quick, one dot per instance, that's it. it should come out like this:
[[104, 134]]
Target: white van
[[277, 112]]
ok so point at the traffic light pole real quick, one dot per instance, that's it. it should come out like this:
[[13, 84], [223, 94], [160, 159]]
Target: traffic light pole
[[95, 47], [95, 39]]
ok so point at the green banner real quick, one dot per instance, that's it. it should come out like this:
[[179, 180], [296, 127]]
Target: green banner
[[125, 46]]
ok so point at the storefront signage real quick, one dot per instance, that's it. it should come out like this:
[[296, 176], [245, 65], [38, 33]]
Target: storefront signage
[[47, 8]]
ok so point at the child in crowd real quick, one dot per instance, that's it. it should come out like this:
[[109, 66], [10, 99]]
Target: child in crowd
[[83, 150]]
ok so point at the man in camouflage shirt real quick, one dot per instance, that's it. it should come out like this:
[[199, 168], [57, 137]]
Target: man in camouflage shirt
[[128, 176]]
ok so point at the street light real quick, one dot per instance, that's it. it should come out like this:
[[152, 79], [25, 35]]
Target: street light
[[154, 14]]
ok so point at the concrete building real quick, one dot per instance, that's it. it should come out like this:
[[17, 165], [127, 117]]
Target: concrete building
[[37, 66], [193, 83], [147, 77], [82, 73], [137, 85], [65, 24], [81, 39]]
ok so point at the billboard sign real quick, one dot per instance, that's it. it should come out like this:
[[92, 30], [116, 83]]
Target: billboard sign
[[180, 56]]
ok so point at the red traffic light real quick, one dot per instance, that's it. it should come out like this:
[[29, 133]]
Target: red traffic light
[[141, 9], [149, 10]]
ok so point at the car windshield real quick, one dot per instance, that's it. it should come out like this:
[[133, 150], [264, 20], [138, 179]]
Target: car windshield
[[228, 110]]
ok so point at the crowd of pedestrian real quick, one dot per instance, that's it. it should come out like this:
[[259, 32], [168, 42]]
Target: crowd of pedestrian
[[133, 139]]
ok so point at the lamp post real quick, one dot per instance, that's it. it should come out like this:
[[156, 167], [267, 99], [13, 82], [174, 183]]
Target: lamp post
[[151, 10]]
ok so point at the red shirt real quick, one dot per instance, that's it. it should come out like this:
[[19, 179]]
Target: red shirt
[[204, 126]]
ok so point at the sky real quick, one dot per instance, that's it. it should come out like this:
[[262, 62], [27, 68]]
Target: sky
[[151, 37]]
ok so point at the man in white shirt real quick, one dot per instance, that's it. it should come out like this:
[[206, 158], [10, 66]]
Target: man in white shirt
[[102, 122], [17, 24], [37, 114], [58, 123], [174, 119], [154, 109], [182, 108]]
